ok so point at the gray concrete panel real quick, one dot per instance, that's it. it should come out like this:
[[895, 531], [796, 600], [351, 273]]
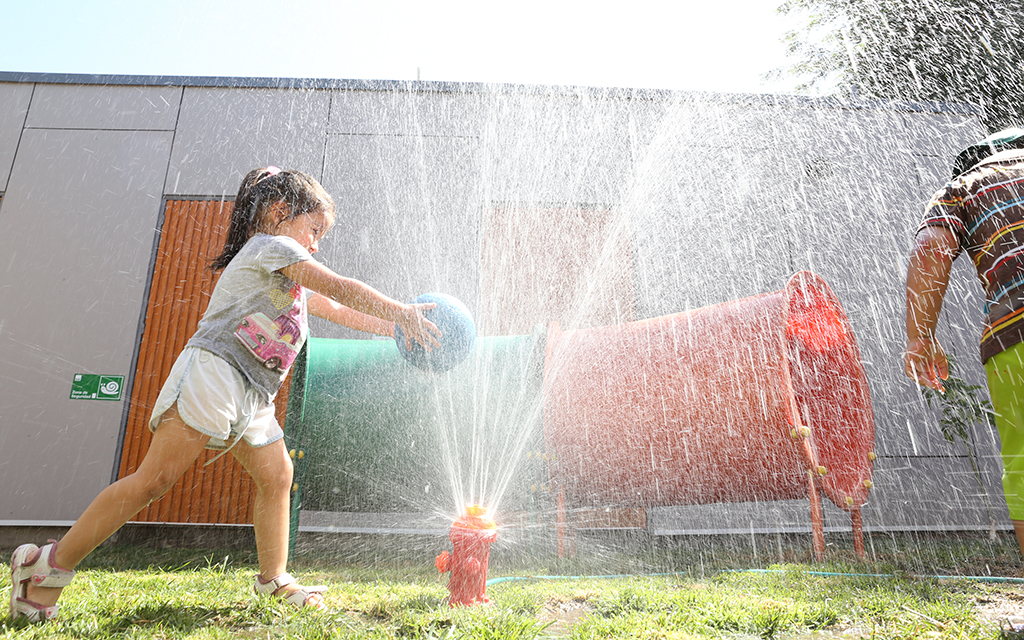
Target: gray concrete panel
[[833, 133], [406, 112], [708, 228], [943, 134], [80, 218], [936, 493], [223, 133], [909, 494], [408, 216], [14, 99], [933, 173], [60, 106], [555, 150], [644, 120]]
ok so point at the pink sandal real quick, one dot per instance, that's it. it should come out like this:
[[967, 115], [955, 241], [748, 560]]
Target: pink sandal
[[298, 598], [29, 562]]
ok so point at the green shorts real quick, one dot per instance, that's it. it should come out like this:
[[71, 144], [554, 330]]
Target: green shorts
[[1005, 372]]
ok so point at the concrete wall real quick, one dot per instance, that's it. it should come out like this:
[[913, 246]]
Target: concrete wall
[[80, 213], [722, 196]]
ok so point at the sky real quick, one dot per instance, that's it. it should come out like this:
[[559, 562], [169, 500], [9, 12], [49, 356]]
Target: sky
[[696, 45]]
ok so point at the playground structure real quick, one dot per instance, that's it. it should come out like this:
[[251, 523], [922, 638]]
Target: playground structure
[[762, 398]]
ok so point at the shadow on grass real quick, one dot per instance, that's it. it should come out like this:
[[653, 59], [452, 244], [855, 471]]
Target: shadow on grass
[[125, 558], [169, 617], [178, 619]]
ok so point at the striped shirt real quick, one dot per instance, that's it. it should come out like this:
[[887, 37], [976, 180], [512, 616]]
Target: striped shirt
[[984, 208]]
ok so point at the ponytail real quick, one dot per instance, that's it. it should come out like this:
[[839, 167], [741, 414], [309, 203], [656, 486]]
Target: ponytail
[[259, 190]]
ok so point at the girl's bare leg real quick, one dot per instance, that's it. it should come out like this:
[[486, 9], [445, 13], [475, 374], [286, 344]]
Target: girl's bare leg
[[175, 446], [271, 470]]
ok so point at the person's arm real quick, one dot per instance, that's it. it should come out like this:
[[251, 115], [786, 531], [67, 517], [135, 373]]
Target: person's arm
[[323, 307], [363, 298], [924, 360]]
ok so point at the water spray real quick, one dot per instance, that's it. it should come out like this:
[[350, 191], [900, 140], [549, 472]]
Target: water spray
[[471, 535]]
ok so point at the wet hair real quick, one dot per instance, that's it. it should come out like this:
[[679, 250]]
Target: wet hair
[[260, 189]]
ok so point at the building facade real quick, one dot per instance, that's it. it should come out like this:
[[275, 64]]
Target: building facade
[[530, 204]]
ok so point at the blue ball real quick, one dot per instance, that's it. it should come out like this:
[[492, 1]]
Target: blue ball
[[458, 333]]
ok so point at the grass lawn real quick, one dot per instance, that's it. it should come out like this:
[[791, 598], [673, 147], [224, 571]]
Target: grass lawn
[[694, 589]]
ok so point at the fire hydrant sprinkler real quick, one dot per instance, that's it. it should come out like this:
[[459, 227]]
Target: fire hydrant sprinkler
[[472, 535]]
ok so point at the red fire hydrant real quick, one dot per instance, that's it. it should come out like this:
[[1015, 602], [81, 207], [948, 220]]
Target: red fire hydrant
[[472, 535]]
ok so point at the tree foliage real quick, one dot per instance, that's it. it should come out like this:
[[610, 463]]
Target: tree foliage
[[954, 51]]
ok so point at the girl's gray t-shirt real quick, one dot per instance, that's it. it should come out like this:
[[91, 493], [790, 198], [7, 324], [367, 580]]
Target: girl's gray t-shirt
[[257, 319]]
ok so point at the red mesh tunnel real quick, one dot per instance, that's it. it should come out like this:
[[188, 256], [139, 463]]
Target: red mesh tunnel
[[763, 398]]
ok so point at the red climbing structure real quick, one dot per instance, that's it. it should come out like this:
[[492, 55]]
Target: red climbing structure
[[763, 398]]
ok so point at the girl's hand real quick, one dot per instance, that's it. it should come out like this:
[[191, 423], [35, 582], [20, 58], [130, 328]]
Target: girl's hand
[[924, 361], [416, 327]]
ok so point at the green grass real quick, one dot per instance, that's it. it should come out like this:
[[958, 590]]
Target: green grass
[[124, 592]]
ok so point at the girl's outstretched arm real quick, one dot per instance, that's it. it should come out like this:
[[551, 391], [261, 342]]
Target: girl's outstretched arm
[[363, 298], [323, 307]]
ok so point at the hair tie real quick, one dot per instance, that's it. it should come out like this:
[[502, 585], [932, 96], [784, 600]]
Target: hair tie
[[271, 171]]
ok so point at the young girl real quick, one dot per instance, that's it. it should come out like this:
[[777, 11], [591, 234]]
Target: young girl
[[220, 392]]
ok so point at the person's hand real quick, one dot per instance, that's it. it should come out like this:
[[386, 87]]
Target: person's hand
[[415, 326], [924, 361]]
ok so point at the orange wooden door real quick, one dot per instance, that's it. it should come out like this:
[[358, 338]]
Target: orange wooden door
[[193, 233]]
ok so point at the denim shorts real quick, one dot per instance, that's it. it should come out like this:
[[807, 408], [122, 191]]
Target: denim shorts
[[214, 398]]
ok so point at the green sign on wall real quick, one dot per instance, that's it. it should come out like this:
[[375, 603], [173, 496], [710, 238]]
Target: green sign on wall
[[89, 386]]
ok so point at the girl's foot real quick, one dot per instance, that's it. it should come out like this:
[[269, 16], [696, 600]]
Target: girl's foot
[[285, 587], [36, 582]]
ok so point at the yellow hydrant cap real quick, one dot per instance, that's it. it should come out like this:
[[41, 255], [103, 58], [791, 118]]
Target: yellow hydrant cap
[[475, 517]]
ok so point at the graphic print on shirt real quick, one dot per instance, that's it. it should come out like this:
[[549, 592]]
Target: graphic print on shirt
[[275, 343]]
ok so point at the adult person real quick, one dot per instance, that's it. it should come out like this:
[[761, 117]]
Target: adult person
[[981, 212]]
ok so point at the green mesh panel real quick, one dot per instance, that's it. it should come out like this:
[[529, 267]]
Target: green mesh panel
[[378, 434]]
